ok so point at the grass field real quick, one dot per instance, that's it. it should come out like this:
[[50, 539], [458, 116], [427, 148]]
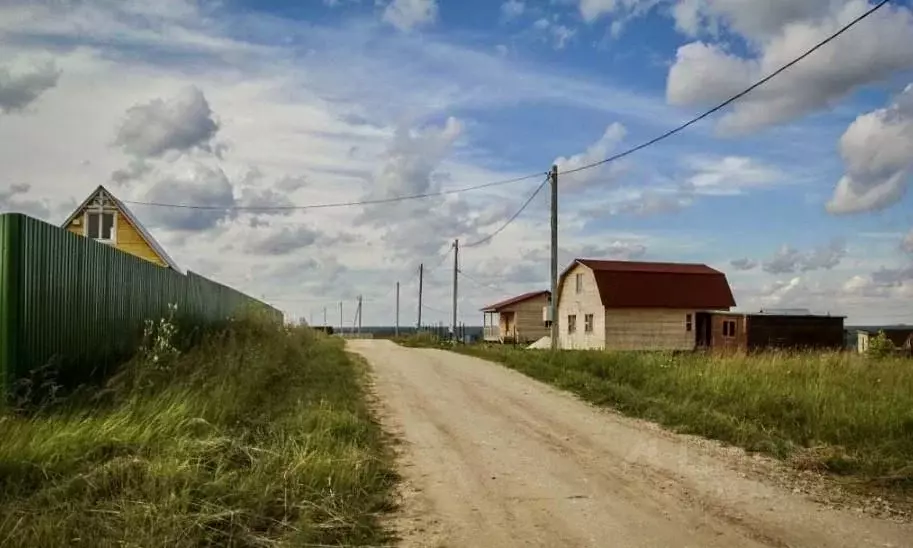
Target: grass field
[[838, 413], [259, 436]]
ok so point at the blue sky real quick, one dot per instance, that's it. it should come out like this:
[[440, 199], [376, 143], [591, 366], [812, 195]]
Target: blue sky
[[302, 102]]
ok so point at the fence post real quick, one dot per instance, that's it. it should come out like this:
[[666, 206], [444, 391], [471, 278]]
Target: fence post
[[10, 298]]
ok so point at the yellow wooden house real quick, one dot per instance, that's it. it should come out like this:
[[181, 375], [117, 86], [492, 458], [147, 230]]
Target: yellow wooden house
[[106, 219]]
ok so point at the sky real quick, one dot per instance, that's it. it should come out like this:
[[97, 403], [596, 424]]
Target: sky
[[798, 192]]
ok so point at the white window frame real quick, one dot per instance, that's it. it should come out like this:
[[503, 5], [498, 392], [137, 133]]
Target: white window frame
[[588, 321], [733, 324], [96, 211], [578, 283], [571, 323]]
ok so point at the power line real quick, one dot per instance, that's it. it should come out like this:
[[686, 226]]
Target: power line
[[735, 97], [338, 204], [512, 218]]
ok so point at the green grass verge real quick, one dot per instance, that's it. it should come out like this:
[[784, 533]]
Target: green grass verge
[[259, 436], [840, 413]]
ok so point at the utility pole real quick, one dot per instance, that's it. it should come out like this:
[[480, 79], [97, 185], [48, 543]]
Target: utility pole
[[340, 317], [359, 315], [456, 270], [553, 304], [421, 274], [324, 316], [396, 329]]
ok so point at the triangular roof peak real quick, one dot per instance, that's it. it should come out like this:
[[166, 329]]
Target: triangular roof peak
[[100, 193]]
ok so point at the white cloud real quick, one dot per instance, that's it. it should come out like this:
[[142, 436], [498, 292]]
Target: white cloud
[[512, 9], [15, 199], [749, 18], [591, 10], [18, 91], [704, 73], [907, 244], [597, 151], [199, 185], [407, 15], [788, 260], [729, 175], [743, 264], [558, 34], [180, 124], [876, 149]]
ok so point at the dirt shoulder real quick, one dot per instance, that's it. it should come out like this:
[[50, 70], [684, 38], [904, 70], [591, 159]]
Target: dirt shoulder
[[494, 458]]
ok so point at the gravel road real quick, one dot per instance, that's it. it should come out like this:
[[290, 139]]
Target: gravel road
[[493, 458]]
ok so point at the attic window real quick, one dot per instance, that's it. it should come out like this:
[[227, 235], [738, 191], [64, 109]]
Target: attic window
[[100, 226], [578, 280]]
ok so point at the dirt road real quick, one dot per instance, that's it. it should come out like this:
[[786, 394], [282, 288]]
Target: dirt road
[[495, 459]]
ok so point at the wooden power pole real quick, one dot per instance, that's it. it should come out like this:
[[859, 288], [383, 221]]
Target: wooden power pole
[[456, 270], [358, 314], [396, 329], [421, 274], [553, 302], [340, 316]]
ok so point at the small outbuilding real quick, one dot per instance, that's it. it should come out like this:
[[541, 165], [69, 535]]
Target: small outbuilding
[[520, 319], [772, 329]]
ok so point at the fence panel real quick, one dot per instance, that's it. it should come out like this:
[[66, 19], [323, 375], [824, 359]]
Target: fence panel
[[81, 306]]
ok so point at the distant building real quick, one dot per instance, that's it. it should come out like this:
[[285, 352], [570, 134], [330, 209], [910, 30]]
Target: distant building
[[902, 337], [519, 319], [107, 220], [769, 329], [628, 305]]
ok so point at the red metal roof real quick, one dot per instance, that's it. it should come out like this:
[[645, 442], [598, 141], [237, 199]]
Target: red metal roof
[[631, 284], [514, 300]]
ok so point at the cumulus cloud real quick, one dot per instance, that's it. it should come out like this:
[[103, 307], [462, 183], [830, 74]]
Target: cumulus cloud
[[743, 264], [876, 150], [597, 151], [15, 199], [200, 185], [137, 169], [406, 15], [182, 123], [749, 18], [18, 91], [704, 73], [283, 241], [788, 260]]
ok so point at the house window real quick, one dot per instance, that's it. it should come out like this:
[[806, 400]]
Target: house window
[[100, 226], [588, 323], [688, 324], [572, 324], [729, 328], [578, 280]]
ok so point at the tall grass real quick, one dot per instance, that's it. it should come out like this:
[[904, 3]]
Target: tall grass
[[258, 436], [834, 412]]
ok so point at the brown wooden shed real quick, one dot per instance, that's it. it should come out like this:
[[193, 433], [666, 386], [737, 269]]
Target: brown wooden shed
[[738, 331]]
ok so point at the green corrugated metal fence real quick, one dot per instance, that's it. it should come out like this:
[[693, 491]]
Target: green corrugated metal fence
[[81, 306]]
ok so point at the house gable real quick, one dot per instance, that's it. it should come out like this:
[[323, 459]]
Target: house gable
[[127, 234]]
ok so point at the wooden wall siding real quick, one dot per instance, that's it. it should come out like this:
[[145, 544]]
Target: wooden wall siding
[[586, 302], [718, 342], [526, 322], [649, 329], [820, 332], [128, 239]]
